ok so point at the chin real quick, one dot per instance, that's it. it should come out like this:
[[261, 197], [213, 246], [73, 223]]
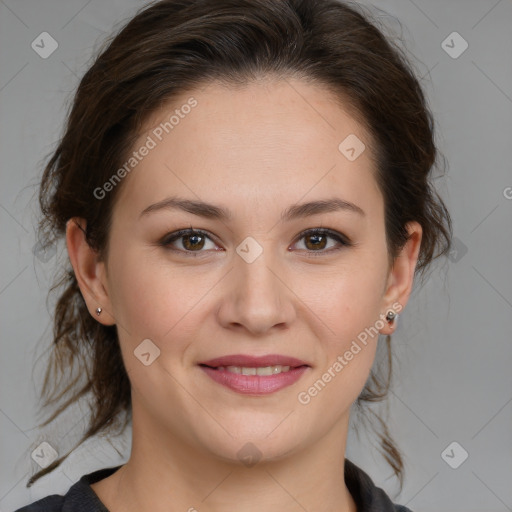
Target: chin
[[248, 449]]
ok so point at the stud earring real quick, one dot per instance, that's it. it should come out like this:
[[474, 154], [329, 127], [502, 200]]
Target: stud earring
[[391, 316], [98, 311]]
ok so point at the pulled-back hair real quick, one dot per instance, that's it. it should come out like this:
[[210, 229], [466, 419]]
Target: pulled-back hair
[[172, 46]]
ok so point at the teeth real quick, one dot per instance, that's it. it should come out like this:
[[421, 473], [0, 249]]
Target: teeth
[[267, 370]]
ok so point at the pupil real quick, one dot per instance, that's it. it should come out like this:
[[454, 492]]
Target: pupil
[[189, 237], [317, 237]]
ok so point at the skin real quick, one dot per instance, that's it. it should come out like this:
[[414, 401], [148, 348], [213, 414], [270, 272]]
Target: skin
[[256, 150]]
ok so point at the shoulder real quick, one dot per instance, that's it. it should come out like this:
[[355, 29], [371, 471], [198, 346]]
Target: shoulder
[[368, 497], [51, 503], [79, 498]]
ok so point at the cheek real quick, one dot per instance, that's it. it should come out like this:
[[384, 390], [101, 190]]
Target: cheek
[[151, 301], [350, 310], [155, 298], [349, 341], [144, 294], [350, 299]]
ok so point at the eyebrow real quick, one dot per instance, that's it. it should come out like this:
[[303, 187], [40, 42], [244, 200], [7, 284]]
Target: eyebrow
[[295, 211]]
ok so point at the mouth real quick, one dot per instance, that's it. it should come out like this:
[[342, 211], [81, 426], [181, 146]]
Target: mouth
[[255, 375], [255, 370]]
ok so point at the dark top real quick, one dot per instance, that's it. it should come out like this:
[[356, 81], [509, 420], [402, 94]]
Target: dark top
[[81, 498]]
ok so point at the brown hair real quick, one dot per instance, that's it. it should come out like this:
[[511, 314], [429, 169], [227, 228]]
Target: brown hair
[[173, 45]]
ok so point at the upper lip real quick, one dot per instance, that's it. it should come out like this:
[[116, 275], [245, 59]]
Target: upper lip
[[254, 361]]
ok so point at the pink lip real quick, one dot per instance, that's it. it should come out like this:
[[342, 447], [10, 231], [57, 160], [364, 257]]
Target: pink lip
[[254, 384], [254, 361]]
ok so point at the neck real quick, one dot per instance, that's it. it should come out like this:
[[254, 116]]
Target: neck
[[172, 475]]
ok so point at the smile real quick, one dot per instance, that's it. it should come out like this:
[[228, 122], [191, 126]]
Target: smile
[[266, 370], [255, 380]]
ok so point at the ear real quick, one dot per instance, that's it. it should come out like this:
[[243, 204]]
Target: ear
[[401, 276], [90, 272]]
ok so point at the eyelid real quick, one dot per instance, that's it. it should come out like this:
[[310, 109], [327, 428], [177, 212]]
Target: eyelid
[[325, 231], [342, 239], [167, 239]]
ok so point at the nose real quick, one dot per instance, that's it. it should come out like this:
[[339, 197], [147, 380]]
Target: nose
[[257, 297]]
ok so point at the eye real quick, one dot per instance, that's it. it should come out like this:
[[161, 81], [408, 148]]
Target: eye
[[192, 241], [316, 241]]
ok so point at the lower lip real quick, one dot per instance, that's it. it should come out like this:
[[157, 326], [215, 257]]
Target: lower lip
[[255, 384]]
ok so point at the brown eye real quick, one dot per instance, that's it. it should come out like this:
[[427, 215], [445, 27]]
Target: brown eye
[[316, 241], [192, 241]]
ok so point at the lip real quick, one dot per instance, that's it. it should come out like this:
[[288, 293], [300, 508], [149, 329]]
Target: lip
[[254, 384], [254, 361]]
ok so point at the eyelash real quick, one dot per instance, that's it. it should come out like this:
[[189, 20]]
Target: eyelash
[[341, 239]]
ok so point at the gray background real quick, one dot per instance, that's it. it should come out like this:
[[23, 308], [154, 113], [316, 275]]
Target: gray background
[[453, 378]]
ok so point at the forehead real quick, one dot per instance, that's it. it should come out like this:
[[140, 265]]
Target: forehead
[[268, 140]]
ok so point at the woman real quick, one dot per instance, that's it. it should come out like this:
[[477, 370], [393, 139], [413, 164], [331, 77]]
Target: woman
[[244, 190]]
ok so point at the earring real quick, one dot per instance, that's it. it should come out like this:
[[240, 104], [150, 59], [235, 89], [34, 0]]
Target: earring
[[98, 311], [390, 317]]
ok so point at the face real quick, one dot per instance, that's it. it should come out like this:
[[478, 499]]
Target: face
[[258, 281]]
